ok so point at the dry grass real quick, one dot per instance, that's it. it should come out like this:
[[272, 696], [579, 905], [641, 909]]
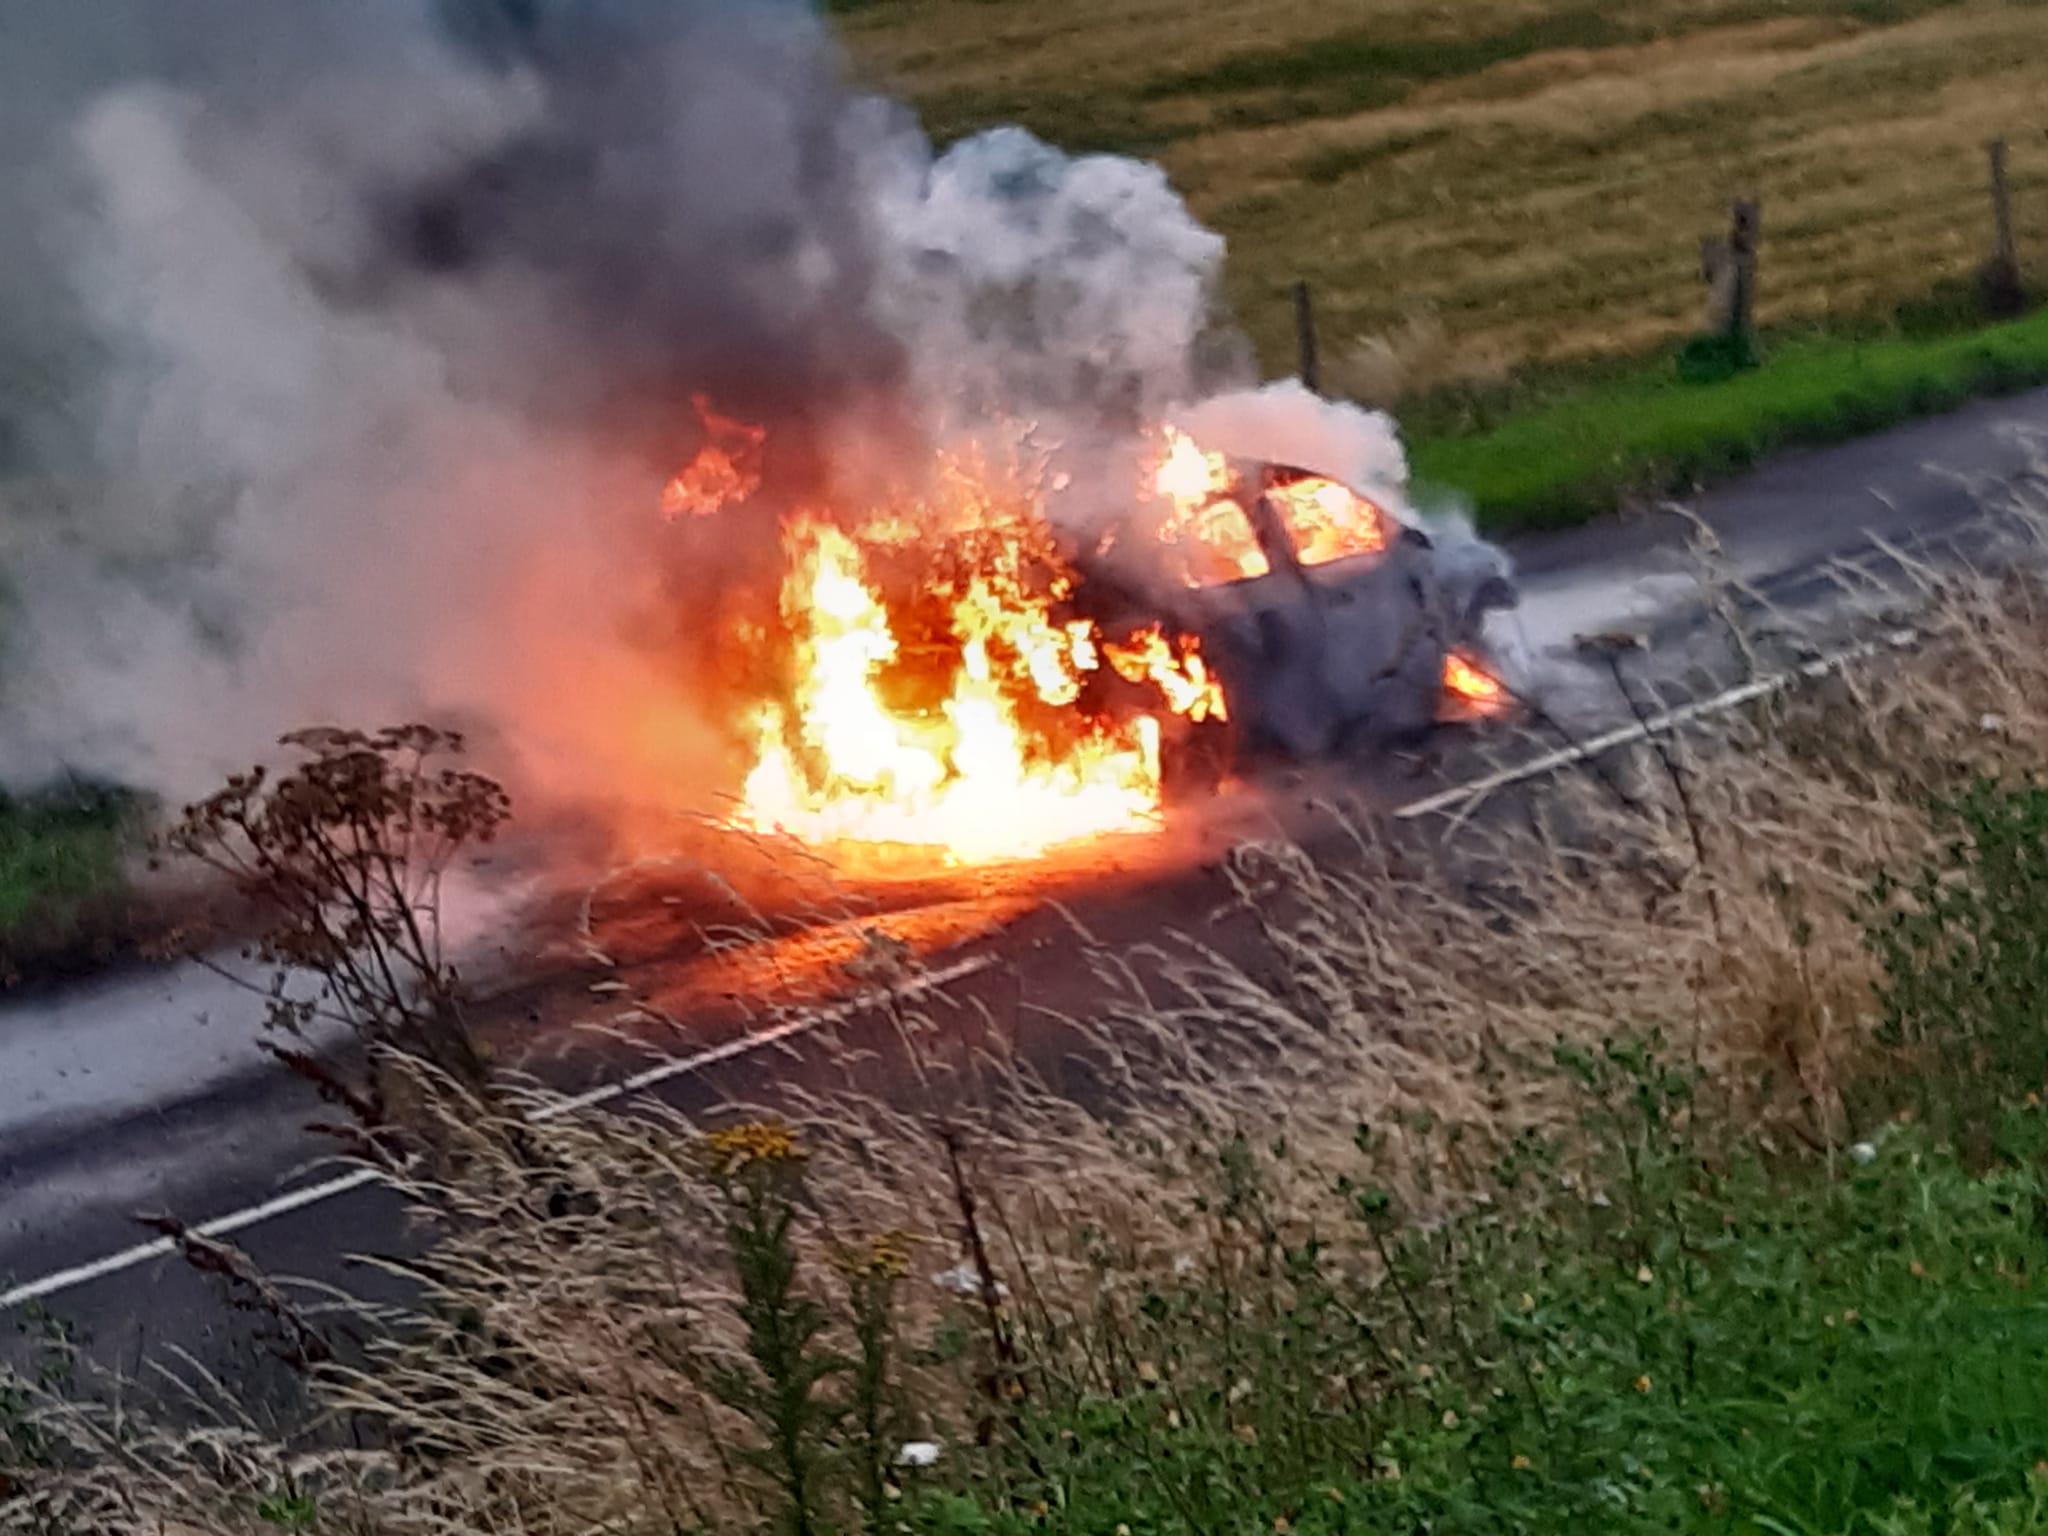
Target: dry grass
[[1536, 175], [556, 1381]]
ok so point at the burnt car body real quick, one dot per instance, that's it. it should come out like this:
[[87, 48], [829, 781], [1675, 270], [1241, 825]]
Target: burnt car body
[[1329, 658]]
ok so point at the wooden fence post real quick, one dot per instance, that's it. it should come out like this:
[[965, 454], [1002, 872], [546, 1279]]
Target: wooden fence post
[[1728, 268], [1999, 286], [2005, 253], [1745, 225], [1305, 336]]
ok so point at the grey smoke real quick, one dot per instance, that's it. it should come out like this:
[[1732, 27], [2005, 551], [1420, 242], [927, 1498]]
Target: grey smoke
[[374, 328], [346, 347]]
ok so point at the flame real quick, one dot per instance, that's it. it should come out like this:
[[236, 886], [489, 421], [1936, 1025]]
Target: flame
[[966, 739], [727, 467], [1469, 688], [918, 678], [1177, 672], [1213, 537], [1203, 526], [1329, 520]]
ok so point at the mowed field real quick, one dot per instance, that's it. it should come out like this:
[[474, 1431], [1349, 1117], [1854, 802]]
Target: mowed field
[[1490, 184]]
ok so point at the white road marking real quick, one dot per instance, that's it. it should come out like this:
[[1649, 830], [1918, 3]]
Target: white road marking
[[314, 1194], [1536, 767], [1643, 730]]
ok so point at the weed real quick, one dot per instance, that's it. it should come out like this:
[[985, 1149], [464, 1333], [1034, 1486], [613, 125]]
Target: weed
[[1964, 944], [757, 1170], [347, 853]]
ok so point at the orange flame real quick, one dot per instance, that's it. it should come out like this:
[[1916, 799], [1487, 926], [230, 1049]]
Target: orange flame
[[1213, 537], [921, 683], [1204, 528], [1329, 521], [1178, 672], [727, 467], [1467, 687], [964, 740]]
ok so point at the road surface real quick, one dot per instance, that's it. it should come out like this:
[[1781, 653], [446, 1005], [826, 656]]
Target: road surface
[[145, 1093]]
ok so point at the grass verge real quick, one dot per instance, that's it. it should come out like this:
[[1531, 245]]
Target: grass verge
[[1671, 1159], [1647, 433], [62, 858]]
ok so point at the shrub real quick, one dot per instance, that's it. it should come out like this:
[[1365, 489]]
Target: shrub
[[1964, 946], [1712, 358], [346, 854]]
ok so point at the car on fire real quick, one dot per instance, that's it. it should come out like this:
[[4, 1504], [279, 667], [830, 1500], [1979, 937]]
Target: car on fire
[[1324, 656]]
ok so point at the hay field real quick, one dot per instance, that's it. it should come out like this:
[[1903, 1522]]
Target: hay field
[[1491, 185]]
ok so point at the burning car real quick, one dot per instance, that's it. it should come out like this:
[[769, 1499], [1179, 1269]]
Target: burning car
[[1330, 624], [959, 671]]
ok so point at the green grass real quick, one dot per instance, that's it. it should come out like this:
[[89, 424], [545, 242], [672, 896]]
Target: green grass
[[1643, 432], [60, 854], [1328, 166], [1364, 69], [1682, 1335]]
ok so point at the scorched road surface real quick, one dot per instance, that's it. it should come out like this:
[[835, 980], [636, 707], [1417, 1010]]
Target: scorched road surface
[[146, 1093]]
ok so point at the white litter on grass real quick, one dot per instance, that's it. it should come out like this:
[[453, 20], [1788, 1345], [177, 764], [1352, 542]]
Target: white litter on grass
[[963, 1280], [919, 1453], [1863, 1152]]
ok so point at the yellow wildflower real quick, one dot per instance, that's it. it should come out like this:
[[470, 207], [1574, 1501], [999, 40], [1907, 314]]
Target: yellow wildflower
[[885, 1256], [1642, 1383], [754, 1141], [1521, 1463]]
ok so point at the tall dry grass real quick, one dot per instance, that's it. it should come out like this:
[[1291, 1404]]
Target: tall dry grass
[[558, 1373]]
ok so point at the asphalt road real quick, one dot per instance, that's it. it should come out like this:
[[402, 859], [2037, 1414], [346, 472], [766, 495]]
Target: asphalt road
[[145, 1093]]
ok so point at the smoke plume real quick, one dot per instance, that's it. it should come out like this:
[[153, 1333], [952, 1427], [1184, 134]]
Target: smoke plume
[[348, 348]]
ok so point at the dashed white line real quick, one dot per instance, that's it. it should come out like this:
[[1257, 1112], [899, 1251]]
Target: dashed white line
[[1460, 794], [314, 1194]]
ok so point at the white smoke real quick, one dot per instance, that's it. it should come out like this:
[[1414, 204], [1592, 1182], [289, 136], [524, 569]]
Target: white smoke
[[1026, 281], [389, 346], [1284, 423], [384, 331]]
